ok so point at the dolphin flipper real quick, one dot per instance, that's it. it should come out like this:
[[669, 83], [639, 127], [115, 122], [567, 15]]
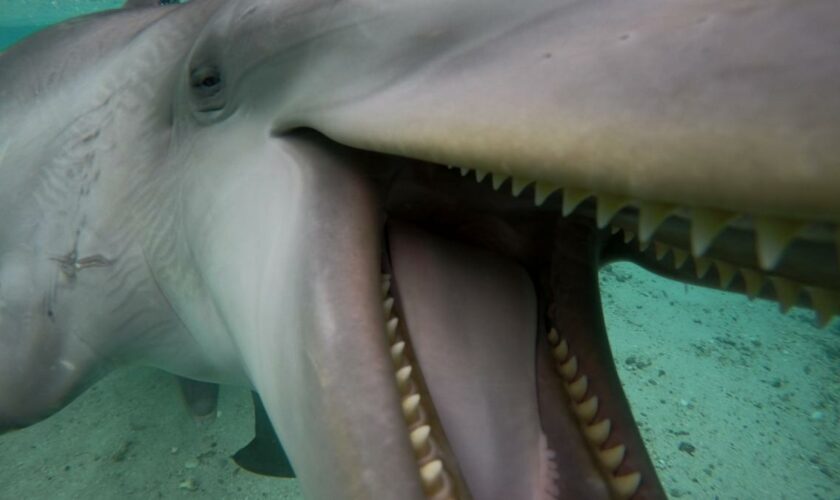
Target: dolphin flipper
[[201, 397], [264, 454]]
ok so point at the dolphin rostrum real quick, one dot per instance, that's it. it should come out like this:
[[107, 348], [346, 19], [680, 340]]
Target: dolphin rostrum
[[257, 193]]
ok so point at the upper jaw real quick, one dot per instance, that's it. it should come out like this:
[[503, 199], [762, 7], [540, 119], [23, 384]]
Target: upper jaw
[[721, 114], [710, 248]]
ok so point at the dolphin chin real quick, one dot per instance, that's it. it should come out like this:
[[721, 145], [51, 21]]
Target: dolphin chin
[[262, 193]]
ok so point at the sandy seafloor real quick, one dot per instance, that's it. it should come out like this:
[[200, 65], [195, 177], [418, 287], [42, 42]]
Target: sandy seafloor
[[735, 400]]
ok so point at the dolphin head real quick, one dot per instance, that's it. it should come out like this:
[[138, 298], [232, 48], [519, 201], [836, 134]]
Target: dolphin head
[[50, 340], [257, 193], [42, 362], [76, 296]]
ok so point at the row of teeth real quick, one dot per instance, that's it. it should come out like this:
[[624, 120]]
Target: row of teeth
[[433, 474], [825, 302], [585, 408], [773, 235]]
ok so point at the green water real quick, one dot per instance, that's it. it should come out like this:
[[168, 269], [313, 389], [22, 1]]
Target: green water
[[11, 34], [20, 18]]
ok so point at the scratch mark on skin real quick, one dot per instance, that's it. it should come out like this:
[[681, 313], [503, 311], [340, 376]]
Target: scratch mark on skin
[[93, 261], [70, 264]]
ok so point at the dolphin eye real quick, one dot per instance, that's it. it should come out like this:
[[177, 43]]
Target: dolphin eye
[[210, 81], [206, 80], [207, 87]]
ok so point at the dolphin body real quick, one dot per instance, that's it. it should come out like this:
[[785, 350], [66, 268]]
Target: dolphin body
[[256, 193]]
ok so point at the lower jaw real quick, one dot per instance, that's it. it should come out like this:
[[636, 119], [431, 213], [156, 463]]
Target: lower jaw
[[508, 407]]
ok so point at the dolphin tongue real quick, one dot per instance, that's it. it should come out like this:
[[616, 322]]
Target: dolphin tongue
[[470, 312]]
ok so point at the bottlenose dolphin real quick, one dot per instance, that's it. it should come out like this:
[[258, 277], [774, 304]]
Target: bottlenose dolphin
[[387, 218]]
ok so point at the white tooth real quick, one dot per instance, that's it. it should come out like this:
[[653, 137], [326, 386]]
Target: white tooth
[[772, 236], [706, 224], [628, 236], [386, 287], [625, 486], [571, 199], [651, 215], [753, 282], [643, 245], [661, 249], [787, 292], [825, 302], [577, 389], [598, 433], [404, 378], [702, 266], [607, 207], [569, 368], [561, 350], [542, 190], [518, 185], [498, 180], [397, 351], [391, 328], [680, 257], [388, 306], [553, 337], [464, 171], [409, 407], [431, 474], [615, 229], [586, 411], [612, 457], [420, 439], [480, 174], [726, 273]]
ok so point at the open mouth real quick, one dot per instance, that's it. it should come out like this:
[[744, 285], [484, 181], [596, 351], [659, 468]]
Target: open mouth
[[494, 324]]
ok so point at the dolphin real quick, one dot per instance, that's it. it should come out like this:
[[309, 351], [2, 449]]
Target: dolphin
[[387, 218]]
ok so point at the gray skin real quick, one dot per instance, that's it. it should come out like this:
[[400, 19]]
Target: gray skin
[[159, 203]]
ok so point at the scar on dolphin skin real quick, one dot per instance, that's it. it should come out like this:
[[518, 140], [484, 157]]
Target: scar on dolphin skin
[[411, 331], [70, 264]]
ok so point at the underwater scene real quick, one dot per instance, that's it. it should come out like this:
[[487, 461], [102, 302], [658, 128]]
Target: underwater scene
[[728, 352]]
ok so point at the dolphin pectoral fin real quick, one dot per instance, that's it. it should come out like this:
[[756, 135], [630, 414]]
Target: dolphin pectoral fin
[[264, 455], [200, 397]]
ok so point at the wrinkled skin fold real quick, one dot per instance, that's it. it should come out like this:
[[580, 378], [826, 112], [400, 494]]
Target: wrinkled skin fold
[[257, 193]]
